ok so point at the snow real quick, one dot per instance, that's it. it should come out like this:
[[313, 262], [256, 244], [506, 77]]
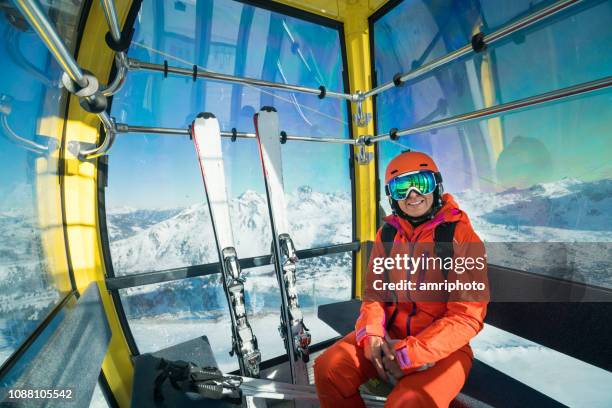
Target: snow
[[561, 377], [156, 334], [187, 237]]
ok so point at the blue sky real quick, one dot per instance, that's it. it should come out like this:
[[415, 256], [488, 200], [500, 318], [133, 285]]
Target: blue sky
[[142, 165], [566, 139]]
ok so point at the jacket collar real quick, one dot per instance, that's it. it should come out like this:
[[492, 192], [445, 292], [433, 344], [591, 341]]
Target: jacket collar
[[450, 212]]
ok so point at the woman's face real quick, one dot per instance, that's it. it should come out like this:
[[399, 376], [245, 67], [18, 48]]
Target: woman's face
[[416, 205]]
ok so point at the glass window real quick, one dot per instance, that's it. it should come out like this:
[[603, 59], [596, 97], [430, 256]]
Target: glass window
[[158, 218], [157, 214], [526, 179], [33, 263], [538, 176], [162, 315]]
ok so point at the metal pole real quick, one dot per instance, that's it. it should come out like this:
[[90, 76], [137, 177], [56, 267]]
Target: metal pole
[[38, 20], [106, 144], [120, 58], [135, 64], [506, 107], [120, 77], [489, 39], [111, 18], [123, 128]]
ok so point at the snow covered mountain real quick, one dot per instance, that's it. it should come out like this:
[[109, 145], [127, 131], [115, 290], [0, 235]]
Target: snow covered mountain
[[568, 210], [27, 292], [562, 228], [186, 238]]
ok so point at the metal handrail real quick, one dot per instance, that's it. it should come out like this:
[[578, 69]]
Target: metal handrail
[[489, 39], [120, 58], [505, 107], [124, 128], [40, 23], [120, 76], [135, 64]]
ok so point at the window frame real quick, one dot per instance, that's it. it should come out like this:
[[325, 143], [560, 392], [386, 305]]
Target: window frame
[[114, 283], [383, 11]]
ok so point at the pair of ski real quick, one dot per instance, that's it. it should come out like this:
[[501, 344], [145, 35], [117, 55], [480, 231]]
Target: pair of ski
[[206, 136]]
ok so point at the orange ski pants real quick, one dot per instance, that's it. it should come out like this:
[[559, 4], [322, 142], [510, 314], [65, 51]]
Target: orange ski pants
[[342, 368]]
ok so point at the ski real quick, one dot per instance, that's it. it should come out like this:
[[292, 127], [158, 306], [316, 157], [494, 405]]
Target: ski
[[293, 331], [206, 137]]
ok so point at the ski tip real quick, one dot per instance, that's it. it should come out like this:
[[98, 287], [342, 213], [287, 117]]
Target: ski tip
[[268, 109], [206, 115]]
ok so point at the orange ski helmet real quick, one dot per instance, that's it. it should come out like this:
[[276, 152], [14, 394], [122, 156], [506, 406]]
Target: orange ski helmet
[[409, 161]]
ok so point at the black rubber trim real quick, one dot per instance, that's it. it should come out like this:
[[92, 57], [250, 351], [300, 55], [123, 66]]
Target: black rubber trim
[[25, 345], [387, 7], [234, 134], [124, 42], [393, 134], [194, 74], [283, 137], [106, 255], [323, 92], [165, 68], [147, 278], [478, 43], [293, 12], [128, 30], [397, 79], [107, 391]]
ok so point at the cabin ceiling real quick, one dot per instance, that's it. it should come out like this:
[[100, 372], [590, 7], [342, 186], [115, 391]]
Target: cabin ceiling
[[335, 9]]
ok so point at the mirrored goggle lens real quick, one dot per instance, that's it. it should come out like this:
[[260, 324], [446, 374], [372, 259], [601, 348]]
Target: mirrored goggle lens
[[423, 182]]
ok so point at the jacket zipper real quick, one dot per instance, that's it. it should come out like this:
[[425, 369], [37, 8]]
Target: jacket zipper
[[413, 311]]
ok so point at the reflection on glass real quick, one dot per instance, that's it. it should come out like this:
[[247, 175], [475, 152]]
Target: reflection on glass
[[541, 175], [156, 208], [162, 315], [33, 264]]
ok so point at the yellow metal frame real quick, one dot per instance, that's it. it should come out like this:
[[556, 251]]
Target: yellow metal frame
[[81, 200], [80, 178], [48, 206]]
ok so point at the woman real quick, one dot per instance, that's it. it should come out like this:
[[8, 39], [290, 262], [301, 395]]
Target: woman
[[418, 342]]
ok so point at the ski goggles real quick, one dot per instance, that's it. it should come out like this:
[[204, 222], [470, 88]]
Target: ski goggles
[[422, 182]]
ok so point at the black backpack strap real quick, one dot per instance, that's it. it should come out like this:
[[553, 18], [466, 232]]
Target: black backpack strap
[[443, 239], [174, 371], [387, 237]]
